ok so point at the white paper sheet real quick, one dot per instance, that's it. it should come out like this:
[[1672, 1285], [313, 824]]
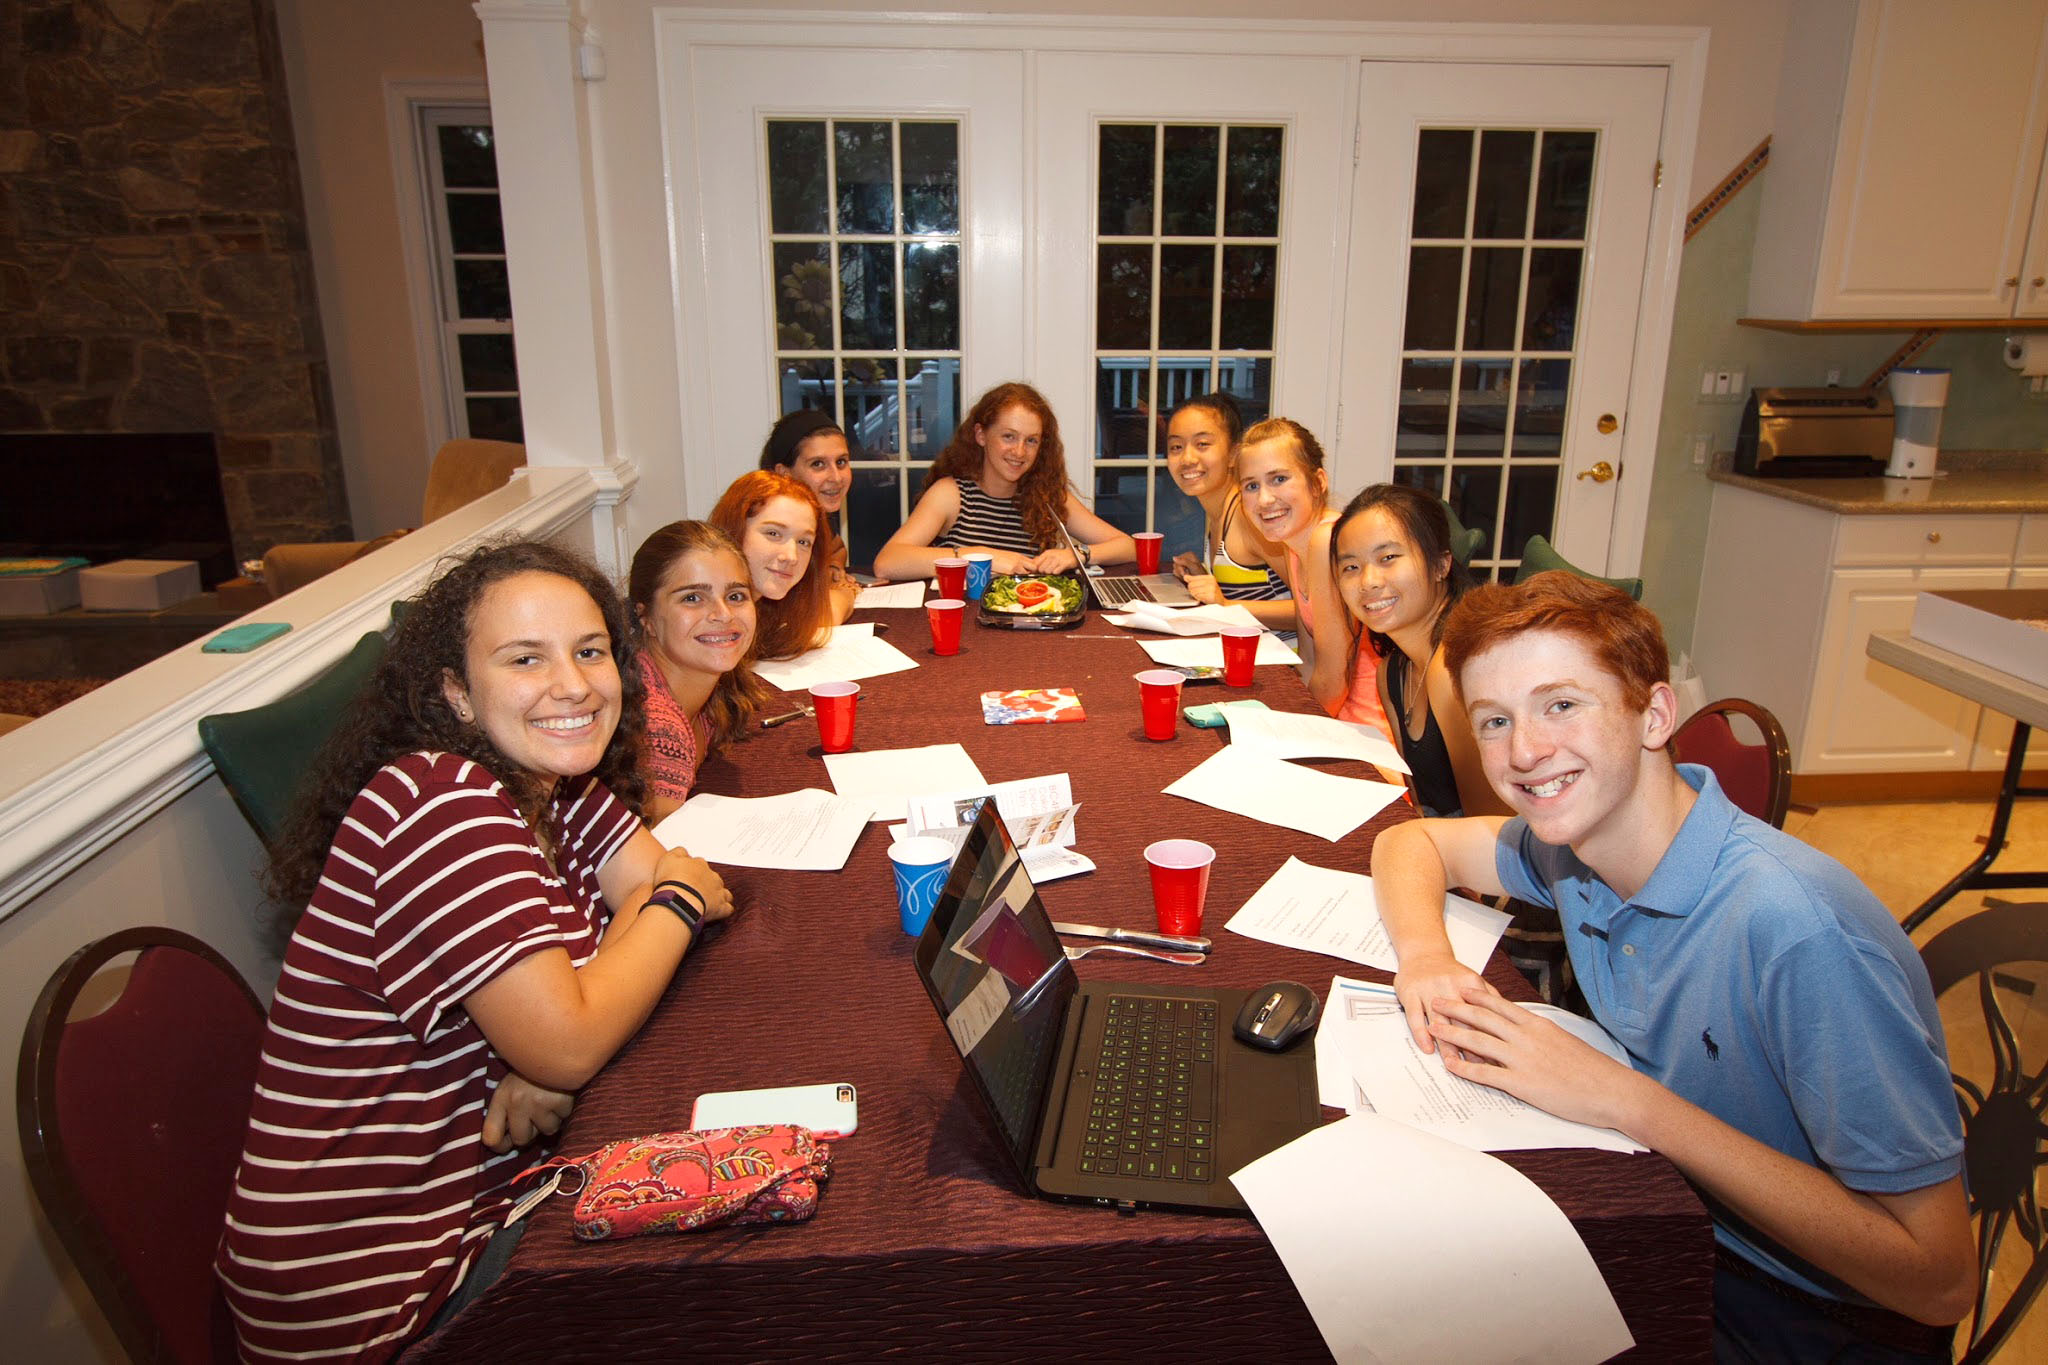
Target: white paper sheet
[[854, 651], [1208, 652], [1017, 801], [1203, 620], [890, 595], [1042, 863], [1285, 794], [1335, 1085], [888, 778], [807, 830], [1324, 910], [1411, 1086], [1294, 734], [1429, 1252]]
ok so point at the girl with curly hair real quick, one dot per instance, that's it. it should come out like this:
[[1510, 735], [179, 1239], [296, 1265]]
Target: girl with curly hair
[[1000, 488], [693, 618], [486, 921], [777, 523]]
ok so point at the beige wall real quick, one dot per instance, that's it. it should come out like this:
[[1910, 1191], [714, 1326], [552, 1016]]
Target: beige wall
[[338, 58]]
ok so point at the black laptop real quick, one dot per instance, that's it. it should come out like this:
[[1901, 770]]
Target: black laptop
[[1114, 1093]]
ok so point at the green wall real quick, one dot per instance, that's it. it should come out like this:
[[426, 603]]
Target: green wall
[[1989, 408]]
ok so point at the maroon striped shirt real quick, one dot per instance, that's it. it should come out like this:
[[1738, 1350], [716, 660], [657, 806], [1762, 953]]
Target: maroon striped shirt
[[365, 1189]]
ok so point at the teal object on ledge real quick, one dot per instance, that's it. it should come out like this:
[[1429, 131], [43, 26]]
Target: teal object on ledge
[[1540, 555]]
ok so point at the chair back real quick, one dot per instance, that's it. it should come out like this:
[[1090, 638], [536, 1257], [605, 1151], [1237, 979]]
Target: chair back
[[1756, 777], [264, 753], [132, 1122], [1993, 1037], [1465, 543], [464, 470], [1538, 555]]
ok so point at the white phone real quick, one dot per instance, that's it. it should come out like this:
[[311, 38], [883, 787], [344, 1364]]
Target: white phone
[[831, 1110]]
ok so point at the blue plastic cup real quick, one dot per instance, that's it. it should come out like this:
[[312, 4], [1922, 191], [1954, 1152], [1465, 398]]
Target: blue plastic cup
[[922, 864], [980, 569]]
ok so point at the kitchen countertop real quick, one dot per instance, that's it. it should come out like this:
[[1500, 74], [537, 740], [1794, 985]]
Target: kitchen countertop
[[2009, 486]]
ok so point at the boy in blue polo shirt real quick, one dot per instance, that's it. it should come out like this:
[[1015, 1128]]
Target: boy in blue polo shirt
[[1788, 1058]]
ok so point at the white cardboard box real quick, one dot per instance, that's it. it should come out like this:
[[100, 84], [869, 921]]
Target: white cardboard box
[[1992, 627], [38, 594], [138, 584]]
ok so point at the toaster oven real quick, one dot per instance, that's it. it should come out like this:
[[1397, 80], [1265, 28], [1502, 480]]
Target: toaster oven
[[1804, 433]]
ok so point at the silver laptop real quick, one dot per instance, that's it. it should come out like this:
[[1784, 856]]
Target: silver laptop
[[1117, 590]]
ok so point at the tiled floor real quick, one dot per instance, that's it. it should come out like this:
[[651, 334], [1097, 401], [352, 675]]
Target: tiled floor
[[1906, 851]]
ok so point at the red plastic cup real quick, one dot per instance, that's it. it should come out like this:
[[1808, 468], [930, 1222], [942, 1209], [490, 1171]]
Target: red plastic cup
[[1148, 550], [833, 701], [1159, 696], [952, 576], [1240, 651], [1180, 883], [945, 615]]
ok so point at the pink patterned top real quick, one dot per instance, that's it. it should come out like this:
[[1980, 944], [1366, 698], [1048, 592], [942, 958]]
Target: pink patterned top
[[668, 759]]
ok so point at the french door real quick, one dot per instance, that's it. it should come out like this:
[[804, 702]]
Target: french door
[[1501, 228]]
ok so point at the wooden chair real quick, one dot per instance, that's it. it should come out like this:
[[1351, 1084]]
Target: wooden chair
[[132, 1122], [2005, 1112], [1756, 777]]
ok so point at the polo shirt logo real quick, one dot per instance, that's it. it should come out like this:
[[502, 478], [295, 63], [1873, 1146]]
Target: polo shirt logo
[[1713, 1048]]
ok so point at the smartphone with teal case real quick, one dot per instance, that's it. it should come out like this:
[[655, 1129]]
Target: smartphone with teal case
[[1210, 716], [243, 638]]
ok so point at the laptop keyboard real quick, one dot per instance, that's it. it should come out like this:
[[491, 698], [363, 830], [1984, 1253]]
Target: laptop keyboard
[[1117, 592], [1153, 1110]]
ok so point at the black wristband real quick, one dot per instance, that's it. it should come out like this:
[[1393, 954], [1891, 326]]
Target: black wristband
[[689, 893], [691, 916]]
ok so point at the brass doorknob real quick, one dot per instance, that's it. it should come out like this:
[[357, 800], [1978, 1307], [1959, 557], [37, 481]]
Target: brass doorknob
[[1599, 473], [1606, 424], [2039, 280]]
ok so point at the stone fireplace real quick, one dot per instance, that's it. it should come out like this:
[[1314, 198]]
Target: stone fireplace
[[154, 275]]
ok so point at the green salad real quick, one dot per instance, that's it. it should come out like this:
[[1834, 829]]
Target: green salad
[[1037, 595]]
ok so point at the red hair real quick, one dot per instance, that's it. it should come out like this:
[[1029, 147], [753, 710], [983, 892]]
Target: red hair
[[1042, 495], [1622, 633], [803, 617]]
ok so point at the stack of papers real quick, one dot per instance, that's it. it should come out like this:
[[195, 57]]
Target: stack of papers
[[1281, 793], [1291, 734], [807, 831], [1039, 813], [1323, 910], [1203, 620], [852, 651], [886, 779], [890, 595], [1208, 652]]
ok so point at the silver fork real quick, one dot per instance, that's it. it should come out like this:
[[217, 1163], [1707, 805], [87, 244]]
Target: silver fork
[[1075, 954]]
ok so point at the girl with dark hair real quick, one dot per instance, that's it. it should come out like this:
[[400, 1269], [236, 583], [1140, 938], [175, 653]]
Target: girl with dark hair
[[693, 617], [1286, 493], [1390, 557], [808, 446], [1000, 488], [486, 921], [776, 522], [1236, 563]]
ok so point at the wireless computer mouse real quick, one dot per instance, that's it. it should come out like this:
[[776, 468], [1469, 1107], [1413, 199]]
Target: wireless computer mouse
[[1276, 1014]]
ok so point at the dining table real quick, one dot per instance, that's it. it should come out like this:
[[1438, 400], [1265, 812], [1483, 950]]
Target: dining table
[[924, 1242]]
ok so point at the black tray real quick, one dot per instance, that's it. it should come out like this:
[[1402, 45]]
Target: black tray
[[1044, 620]]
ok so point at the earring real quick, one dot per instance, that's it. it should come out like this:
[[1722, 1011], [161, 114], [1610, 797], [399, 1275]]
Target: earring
[[462, 714]]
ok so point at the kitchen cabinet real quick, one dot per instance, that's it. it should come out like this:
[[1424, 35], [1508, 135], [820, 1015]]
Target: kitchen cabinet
[[1790, 595], [1906, 164]]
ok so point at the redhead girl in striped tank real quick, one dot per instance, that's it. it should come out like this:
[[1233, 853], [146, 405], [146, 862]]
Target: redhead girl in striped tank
[[1287, 492]]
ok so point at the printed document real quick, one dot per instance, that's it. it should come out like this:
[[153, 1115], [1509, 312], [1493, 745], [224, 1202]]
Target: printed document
[[886, 779], [890, 595], [852, 652], [1443, 1254], [1293, 734], [1284, 794], [810, 830], [1324, 910], [1203, 620], [1208, 652], [1043, 862], [1021, 801]]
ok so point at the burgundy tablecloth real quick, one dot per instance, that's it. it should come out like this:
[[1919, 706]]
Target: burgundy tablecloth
[[924, 1243]]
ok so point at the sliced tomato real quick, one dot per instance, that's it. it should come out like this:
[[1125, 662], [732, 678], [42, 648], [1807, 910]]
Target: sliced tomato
[[1032, 593]]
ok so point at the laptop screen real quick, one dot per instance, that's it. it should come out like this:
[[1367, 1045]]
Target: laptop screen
[[994, 970]]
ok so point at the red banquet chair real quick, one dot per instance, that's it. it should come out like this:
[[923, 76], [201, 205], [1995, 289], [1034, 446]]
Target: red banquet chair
[[132, 1122], [1756, 777]]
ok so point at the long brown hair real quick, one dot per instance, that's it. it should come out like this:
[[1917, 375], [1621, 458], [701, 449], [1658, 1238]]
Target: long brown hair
[[803, 618], [404, 708], [1042, 494], [737, 693], [1426, 523]]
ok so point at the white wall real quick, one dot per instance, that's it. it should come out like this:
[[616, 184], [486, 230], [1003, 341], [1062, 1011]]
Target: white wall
[[339, 57]]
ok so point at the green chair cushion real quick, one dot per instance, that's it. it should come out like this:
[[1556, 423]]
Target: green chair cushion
[[1464, 543], [1539, 555], [263, 754]]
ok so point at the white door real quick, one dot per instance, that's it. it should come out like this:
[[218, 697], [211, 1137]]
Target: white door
[[1190, 229], [852, 243], [1501, 219]]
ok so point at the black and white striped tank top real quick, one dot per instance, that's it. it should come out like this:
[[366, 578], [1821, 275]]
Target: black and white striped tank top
[[997, 523]]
